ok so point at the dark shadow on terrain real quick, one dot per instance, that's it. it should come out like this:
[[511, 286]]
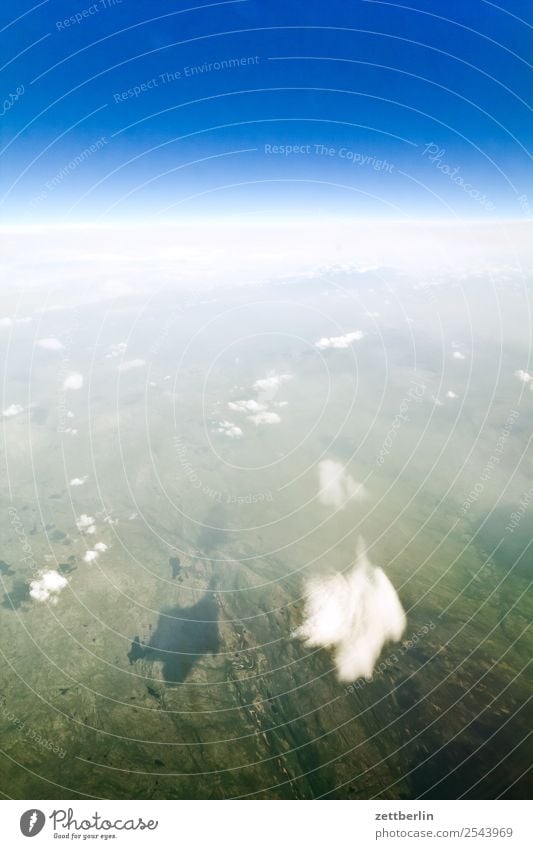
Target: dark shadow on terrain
[[182, 637], [5, 568], [18, 594]]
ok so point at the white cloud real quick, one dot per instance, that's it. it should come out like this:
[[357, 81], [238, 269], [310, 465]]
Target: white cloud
[[246, 406], [339, 341], [85, 524], [268, 387], [89, 556], [354, 615], [78, 481], [524, 376], [48, 586], [50, 344], [116, 349], [274, 381], [337, 487], [12, 410], [229, 429], [87, 265], [128, 365], [451, 394], [73, 381], [84, 521], [264, 418], [11, 322], [457, 355], [100, 546]]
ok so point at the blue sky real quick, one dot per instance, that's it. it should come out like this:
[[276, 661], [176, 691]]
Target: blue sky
[[127, 110]]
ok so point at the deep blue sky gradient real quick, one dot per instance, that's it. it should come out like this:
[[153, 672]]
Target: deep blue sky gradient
[[378, 79]]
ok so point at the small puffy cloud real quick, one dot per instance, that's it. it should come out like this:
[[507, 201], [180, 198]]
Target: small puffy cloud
[[85, 524], [50, 344], [268, 387], [339, 341], [116, 350], [337, 487], [78, 481], [128, 365], [89, 556], [451, 394], [12, 322], [524, 376], [264, 418], [246, 406], [273, 381], [100, 547], [73, 381], [229, 429], [353, 615], [48, 586], [458, 355], [84, 521], [72, 430], [12, 410]]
